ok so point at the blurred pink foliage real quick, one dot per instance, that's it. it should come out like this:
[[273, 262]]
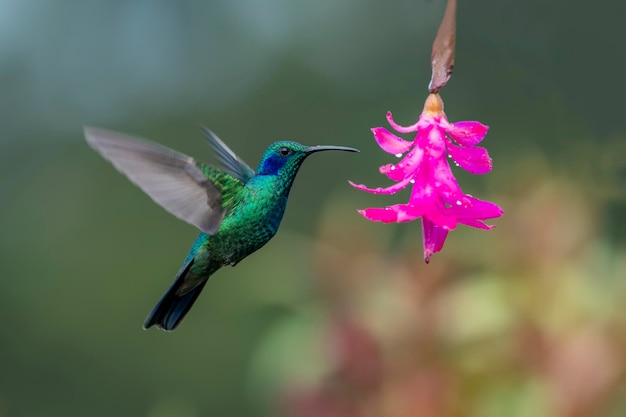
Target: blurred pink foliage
[[519, 327]]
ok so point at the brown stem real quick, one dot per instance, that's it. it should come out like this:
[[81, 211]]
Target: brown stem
[[442, 58]]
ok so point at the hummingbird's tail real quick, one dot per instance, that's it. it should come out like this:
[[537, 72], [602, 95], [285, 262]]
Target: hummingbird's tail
[[172, 308]]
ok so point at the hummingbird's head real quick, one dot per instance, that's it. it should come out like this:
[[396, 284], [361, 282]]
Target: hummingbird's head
[[285, 157]]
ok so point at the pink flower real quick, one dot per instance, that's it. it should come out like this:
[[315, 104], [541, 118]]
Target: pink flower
[[436, 196]]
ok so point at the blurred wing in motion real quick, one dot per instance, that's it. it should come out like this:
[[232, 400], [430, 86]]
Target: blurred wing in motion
[[170, 178], [231, 163]]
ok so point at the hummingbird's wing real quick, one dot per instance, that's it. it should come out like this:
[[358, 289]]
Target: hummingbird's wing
[[170, 178], [231, 163]]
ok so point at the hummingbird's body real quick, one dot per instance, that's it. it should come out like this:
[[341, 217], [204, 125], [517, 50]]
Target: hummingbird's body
[[238, 210]]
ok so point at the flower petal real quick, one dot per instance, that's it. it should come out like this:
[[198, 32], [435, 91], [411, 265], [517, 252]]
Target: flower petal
[[392, 214], [407, 167], [389, 142], [479, 224], [446, 185], [468, 133], [475, 212], [475, 159], [434, 238], [401, 129], [379, 215], [388, 190], [441, 219], [426, 202], [481, 209]]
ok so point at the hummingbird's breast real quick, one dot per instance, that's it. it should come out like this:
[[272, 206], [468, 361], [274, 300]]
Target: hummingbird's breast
[[250, 224]]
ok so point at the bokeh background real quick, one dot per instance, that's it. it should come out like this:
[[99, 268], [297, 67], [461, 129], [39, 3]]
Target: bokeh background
[[335, 317]]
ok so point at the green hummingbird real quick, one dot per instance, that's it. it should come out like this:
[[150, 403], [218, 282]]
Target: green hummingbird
[[237, 209]]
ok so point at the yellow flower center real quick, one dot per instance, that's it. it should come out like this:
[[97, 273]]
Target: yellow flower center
[[433, 105]]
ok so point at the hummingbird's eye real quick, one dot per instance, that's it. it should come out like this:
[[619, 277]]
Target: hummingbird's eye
[[285, 151]]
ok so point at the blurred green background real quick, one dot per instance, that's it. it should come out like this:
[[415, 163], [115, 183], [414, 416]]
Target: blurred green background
[[335, 317]]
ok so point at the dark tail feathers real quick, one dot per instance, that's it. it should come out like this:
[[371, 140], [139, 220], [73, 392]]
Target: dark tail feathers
[[172, 308]]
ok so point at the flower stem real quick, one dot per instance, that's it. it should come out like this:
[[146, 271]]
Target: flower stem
[[442, 58]]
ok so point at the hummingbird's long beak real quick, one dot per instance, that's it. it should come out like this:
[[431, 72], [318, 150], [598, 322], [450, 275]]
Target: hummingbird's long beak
[[318, 148]]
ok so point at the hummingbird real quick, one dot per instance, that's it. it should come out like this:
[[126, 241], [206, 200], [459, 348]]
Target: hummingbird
[[236, 209]]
